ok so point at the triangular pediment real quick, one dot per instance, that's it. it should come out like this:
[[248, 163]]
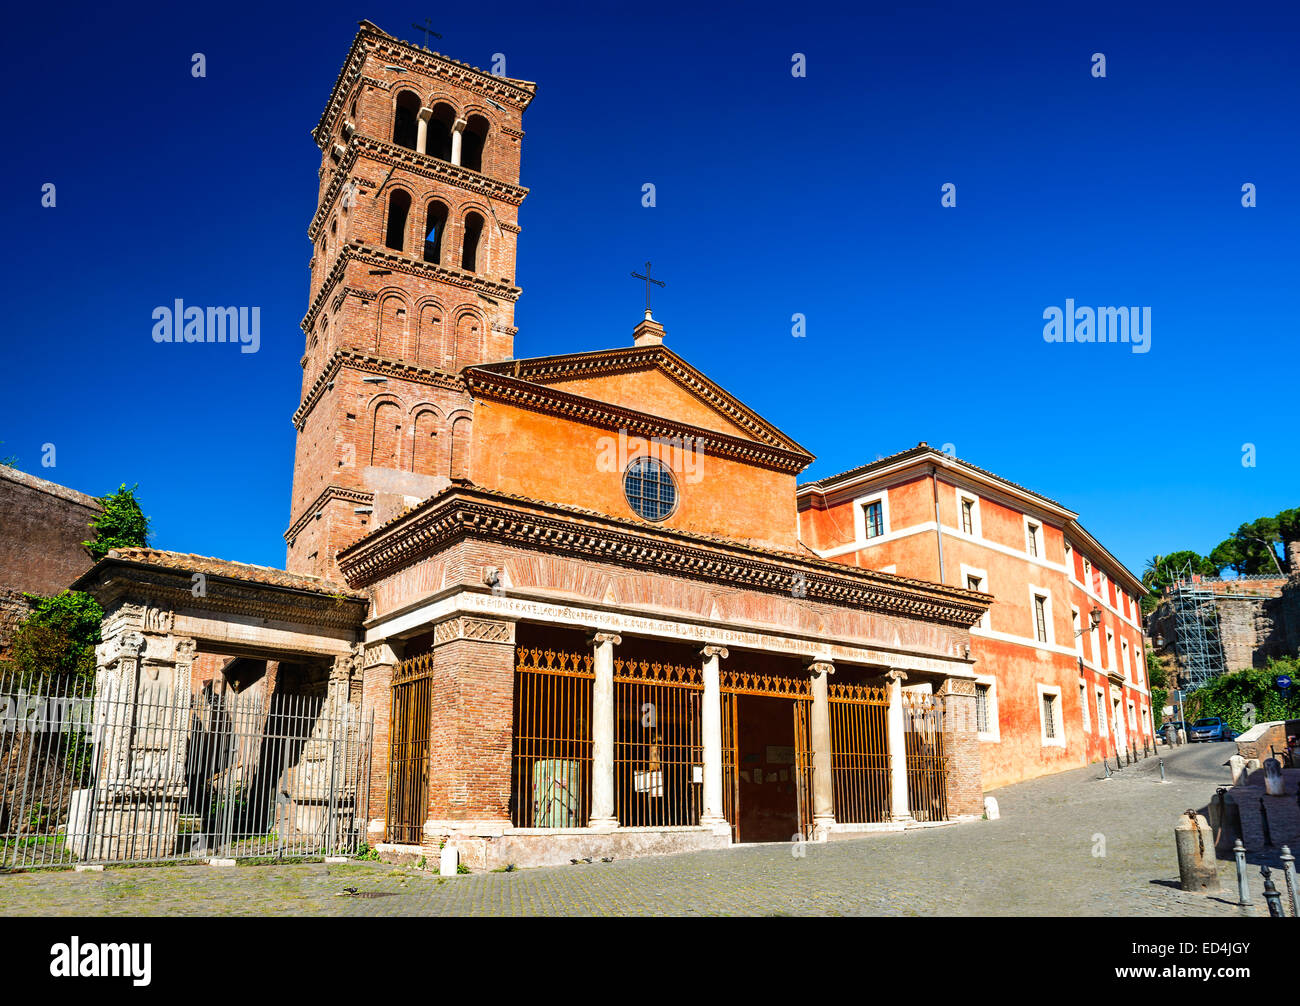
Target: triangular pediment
[[652, 380]]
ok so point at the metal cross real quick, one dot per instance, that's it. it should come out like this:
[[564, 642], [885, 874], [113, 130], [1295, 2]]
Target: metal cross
[[427, 28], [648, 281]]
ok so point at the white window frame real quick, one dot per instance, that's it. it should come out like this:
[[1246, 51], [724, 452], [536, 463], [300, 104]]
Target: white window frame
[[1111, 663], [1035, 592], [1058, 721], [1132, 716], [977, 530], [1076, 627], [983, 576], [860, 517], [994, 733], [1083, 701], [1123, 652], [891, 568], [1103, 718], [1038, 537]]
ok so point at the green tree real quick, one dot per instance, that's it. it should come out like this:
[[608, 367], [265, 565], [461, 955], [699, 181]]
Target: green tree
[[1163, 570], [121, 524], [57, 640]]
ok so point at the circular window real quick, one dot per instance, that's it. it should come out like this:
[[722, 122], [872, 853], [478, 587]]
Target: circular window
[[649, 487]]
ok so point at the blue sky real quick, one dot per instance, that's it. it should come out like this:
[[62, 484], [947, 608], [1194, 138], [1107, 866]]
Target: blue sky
[[776, 195]]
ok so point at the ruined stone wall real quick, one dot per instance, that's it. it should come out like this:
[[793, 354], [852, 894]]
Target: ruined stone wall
[[43, 527]]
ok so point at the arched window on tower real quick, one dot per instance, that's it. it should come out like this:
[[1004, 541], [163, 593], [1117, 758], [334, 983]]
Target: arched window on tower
[[469, 255], [473, 142], [438, 143], [406, 119], [435, 222], [399, 206]]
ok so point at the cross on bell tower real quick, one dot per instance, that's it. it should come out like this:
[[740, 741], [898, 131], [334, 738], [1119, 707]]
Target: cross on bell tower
[[649, 332]]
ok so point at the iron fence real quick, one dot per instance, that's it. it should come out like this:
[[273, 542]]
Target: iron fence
[[98, 778]]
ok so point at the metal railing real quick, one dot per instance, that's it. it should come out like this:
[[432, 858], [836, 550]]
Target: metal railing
[[927, 768], [98, 778]]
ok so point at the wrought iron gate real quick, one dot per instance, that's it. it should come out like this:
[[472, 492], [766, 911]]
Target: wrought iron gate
[[860, 775], [408, 749], [927, 767]]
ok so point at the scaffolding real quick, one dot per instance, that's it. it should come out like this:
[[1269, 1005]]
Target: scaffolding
[[1197, 644]]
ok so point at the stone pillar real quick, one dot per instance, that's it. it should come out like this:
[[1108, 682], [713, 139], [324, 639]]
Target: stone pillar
[[379, 663], [961, 746], [899, 809], [823, 796], [142, 693], [457, 134], [422, 130], [711, 814], [602, 732]]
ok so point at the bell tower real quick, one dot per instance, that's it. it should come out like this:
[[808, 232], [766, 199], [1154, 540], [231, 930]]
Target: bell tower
[[412, 279]]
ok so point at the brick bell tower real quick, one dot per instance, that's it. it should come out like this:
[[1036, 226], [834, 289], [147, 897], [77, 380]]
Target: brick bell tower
[[412, 279]]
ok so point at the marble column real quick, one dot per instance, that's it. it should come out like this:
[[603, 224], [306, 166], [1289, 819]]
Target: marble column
[[602, 732], [899, 808], [823, 797], [457, 133], [379, 663], [422, 130], [711, 814]]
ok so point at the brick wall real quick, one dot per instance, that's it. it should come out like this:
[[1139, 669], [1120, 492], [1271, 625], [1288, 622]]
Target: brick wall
[[962, 748], [40, 548]]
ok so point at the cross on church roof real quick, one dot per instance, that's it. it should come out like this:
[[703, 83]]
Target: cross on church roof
[[648, 280], [427, 28]]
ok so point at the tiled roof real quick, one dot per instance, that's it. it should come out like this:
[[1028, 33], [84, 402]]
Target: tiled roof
[[190, 563]]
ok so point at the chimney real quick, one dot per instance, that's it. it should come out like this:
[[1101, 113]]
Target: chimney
[[648, 332]]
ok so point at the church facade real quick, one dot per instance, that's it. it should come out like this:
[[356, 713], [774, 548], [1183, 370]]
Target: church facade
[[642, 645]]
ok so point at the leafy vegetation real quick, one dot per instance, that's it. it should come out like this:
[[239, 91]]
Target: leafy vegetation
[[121, 524], [1251, 694]]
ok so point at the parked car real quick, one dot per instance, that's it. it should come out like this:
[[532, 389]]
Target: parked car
[[1211, 728]]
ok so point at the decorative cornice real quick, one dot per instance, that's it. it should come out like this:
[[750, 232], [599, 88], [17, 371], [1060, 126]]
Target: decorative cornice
[[385, 258], [425, 165], [371, 364], [330, 492], [472, 512], [371, 39], [544, 370], [490, 383]]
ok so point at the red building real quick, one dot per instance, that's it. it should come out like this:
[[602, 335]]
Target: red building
[[1059, 658]]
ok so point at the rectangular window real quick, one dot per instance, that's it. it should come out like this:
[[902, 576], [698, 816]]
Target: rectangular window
[[875, 519], [968, 516], [1101, 712], [1078, 632], [1031, 539], [973, 583], [982, 708], [1049, 716], [1040, 617], [1083, 705]]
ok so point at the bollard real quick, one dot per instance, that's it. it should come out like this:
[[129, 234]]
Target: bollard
[[1288, 871], [1237, 765], [1263, 820], [1105, 763], [1274, 785], [1196, 865], [1271, 895], [1162, 770], [1243, 881], [448, 861]]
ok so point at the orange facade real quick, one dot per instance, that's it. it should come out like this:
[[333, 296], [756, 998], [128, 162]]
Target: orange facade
[[1052, 686]]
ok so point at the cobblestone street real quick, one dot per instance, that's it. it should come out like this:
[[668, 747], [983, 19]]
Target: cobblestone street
[[1037, 860]]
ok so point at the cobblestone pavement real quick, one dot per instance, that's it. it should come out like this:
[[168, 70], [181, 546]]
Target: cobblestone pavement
[[1041, 858]]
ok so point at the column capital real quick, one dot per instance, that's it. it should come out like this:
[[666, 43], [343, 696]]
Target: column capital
[[459, 125], [600, 638], [820, 667], [424, 114], [895, 676], [711, 651]]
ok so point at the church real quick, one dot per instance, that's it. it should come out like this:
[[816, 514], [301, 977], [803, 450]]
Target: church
[[574, 594]]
